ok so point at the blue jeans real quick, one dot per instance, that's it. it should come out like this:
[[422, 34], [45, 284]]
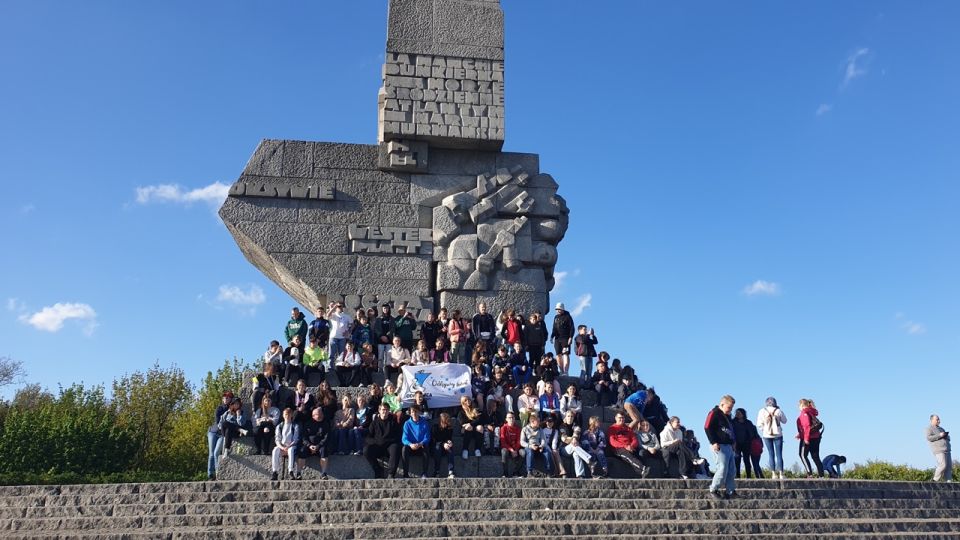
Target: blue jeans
[[337, 346], [586, 368], [214, 449], [344, 441], [547, 456], [357, 434], [726, 470], [521, 377], [774, 449]]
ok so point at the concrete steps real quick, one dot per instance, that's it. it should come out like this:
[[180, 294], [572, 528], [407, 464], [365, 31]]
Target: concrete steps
[[481, 508]]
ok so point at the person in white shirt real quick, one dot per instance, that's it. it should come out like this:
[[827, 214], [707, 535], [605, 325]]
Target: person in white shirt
[[770, 421], [397, 357], [671, 443], [339, 330], [348, 366]]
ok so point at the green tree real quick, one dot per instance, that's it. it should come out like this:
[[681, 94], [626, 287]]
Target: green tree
[[188, 440], [147, 404]]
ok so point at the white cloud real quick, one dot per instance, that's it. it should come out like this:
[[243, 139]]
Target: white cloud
[[245, 300], [761, 287], [824, 108], [913, 328], [582, 303], [855, 67], [558, 278], [214, 194], [51, 318]]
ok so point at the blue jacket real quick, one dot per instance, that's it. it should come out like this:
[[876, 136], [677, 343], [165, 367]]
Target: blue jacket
[[416, 432], [638, 399]]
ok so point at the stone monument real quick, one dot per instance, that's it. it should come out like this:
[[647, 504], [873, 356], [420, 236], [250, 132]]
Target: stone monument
[[434, 214]]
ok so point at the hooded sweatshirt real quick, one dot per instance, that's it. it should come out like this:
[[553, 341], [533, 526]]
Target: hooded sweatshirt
[[770, 422], [804, 422], [296, 327]]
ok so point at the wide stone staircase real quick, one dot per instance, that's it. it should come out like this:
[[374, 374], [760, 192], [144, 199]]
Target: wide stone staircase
[[482, 508]]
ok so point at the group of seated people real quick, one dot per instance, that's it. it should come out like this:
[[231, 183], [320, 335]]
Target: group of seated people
[[539, 425]]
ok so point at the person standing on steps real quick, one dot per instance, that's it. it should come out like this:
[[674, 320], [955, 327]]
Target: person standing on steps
[[719, 429], [809, 432], [383, 440], [586, 351], [562, 336], [383, 332], [745, 433], [939, 440], [483, 327], [340, 324], [770, 421]]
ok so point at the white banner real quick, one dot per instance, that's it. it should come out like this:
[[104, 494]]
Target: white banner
[[441, 384]]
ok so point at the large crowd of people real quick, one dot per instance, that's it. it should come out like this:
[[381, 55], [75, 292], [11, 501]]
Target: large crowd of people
[[516, 407]]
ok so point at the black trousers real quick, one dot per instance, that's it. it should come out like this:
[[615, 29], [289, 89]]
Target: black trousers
[[472, 440], [347, 375], [808, 450], [263, 437], [373, 453], [630, 459], [421, 452]]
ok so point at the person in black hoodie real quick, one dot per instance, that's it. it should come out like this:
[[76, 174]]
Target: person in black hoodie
[[562, 336], [383, 332], [655, 411], [266, 384], [430, 330], [719, 429], [313, 441], [535, 337], [383, 440], [320, 329], [744, 432]]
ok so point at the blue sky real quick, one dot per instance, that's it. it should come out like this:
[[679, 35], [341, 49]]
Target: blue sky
[[764, 197]]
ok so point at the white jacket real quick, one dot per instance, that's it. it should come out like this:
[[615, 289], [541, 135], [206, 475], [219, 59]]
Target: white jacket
[[770, 421], [669, 435]]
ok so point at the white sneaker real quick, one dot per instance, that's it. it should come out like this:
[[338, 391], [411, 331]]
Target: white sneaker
[[451, 475], [476, 453], [464, 454]]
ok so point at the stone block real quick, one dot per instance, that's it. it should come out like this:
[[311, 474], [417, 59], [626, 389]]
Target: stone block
[[267, 159], [374, 176], [488, 232], [431, 189], [529, 162], [411, 19], [296, 238], [338, 212], [297, 159], [393, 267], [547, 230], [415, 46], [465, 301], [468, 23], [445, 228], [335, 266], [462, 162], [237, 209], [399, 215], [449, 278], [371, 192], [394, 287], [543, 181], [403, 155], [523, 302], [544, 254], [464, 246], [344, 156], [525, 280]]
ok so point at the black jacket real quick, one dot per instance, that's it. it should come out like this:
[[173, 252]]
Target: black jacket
[[429, 332], [315, 433], [719, 427], [584, 345], [562, 327], [383, 432], [535, 335], [483, 323], [382, 326]]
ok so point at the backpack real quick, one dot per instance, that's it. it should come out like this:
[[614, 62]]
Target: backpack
[[816, 426]]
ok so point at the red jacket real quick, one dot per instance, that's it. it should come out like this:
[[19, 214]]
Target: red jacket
[[622, 437], [510, 437], [512, 331], [803, 424]]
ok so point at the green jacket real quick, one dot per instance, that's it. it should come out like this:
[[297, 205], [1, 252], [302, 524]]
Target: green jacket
[[297, 327], [403, 328]]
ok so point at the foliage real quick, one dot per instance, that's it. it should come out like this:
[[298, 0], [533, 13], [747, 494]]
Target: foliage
[[881, 470], [147, 404], [75, 432], [188, 439], [11, 371]]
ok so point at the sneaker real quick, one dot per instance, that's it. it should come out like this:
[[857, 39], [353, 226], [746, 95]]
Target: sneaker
[[451, 475], [423, 477], [503, 475], [464, 454], [323, 476], [477, 452], [716, 495], [360, 386], [243, 433], [732, 495], [684, 477], [211, 477], [273, 477]]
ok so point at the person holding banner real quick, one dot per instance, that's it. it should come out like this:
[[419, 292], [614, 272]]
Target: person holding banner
[[472, 422], [416, 441], [383, 440]]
